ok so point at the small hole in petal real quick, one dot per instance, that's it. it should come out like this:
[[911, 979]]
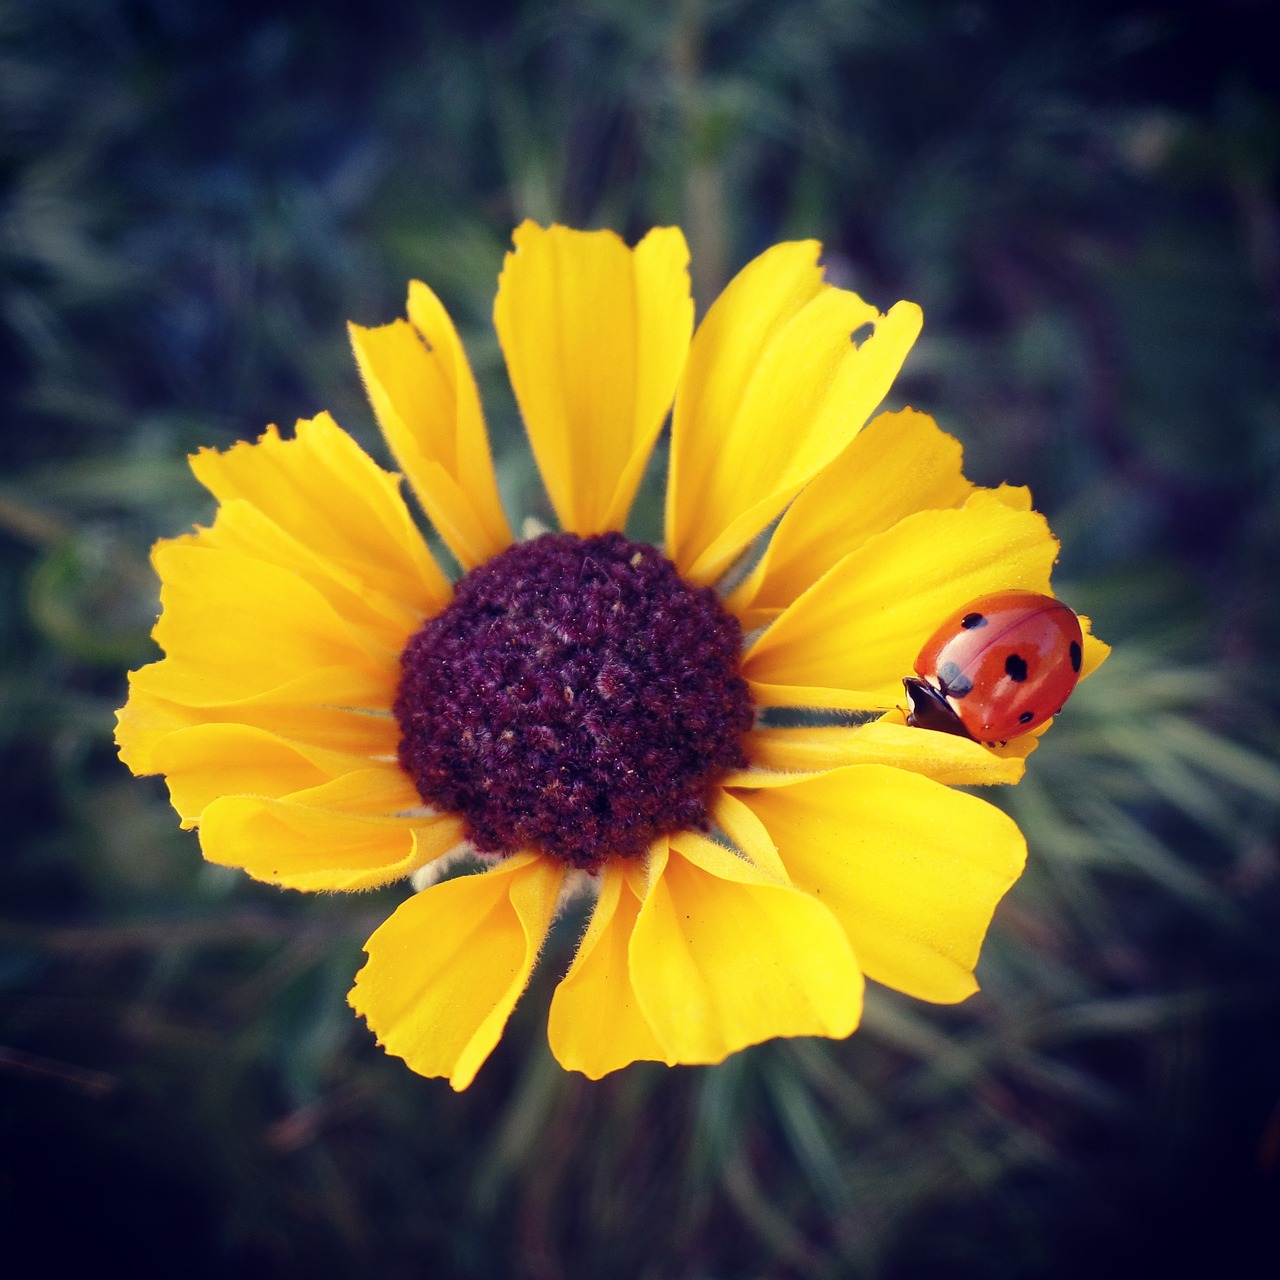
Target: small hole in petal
[[862, 333]]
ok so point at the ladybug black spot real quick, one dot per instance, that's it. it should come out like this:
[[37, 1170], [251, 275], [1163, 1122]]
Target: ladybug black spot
[[1026, 717], [971, 621], [1076, 657], [1015, 667], [955, 683]]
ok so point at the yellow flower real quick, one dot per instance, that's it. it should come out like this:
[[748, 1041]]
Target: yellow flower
[[583, 714]]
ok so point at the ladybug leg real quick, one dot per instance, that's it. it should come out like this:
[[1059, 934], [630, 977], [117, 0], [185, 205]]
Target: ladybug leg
[[930, 710]]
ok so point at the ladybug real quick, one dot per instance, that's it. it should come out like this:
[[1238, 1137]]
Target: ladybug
[[997, 668]]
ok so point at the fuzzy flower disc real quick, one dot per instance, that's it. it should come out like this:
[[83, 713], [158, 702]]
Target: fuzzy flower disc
[[576, 697]]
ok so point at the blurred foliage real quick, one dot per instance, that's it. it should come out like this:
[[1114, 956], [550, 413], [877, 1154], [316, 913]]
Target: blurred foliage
[[193, 198]]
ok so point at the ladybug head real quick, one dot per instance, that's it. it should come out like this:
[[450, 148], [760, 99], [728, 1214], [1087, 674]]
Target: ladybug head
[[930, 710]]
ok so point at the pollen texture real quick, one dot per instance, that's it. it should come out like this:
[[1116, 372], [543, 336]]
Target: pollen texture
[[577, 698]]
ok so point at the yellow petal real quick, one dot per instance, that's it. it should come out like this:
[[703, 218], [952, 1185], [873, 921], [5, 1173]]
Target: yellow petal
[[595, 1025], [233, 626], [898, 464], [204, 761], [379, 622], [595, 336], [774, 391], [850, 639], [299, 710], [312, 847], [912, 869], [944, 757], [1095, 651], [381, 790], [446, 970], [425, 399], [1016, 496], [144, 721], [747, 833], [723, 957], [325, 492]]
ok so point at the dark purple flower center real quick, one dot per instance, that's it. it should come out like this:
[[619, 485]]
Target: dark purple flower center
[[577, 697]]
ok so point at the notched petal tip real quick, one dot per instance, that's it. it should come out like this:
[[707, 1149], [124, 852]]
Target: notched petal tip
[[319, 497], [595, 336], [775, 347], [419, 382]]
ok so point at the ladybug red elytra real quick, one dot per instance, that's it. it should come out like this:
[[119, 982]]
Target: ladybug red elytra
[[997, 668]]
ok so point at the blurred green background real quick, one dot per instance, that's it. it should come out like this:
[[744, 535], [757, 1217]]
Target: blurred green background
[[1083, 196]]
